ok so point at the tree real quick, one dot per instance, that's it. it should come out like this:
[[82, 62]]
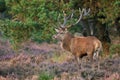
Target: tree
[[104, 13], [36, 19], [29, 19]]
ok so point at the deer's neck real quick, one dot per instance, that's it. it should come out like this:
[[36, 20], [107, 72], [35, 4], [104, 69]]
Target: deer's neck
[[67, 41]]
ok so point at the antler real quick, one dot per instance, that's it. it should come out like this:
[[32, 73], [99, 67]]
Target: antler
[[65, 19], [82, 13]]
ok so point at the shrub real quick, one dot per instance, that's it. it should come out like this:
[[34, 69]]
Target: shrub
[[115, 49], [17, 32], [45, 76]]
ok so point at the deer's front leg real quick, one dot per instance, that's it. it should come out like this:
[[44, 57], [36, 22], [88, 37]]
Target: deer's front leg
[[90, 56], [79, 62]]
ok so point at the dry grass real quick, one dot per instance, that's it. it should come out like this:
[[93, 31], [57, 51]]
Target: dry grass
[[57, 57]]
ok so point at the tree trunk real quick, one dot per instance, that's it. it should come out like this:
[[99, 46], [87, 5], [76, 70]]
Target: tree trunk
[[117, 25], [2, 6], [85, 27]]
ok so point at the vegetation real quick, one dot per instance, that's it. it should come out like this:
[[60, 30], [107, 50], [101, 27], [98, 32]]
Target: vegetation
[[115, 49], [42, 66], [36, 19], [2, 5], [45, 76]]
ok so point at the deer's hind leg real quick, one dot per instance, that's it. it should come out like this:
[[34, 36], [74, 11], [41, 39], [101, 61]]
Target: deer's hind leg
[[96, 57], [77, 62]]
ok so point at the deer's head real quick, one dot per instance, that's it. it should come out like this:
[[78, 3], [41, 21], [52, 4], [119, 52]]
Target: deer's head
[[63, 28], [60, 32]]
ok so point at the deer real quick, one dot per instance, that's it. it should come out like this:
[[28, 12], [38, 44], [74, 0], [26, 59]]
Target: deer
[[80, 46]]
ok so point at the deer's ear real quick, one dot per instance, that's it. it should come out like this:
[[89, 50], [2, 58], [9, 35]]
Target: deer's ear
[[56, 30]]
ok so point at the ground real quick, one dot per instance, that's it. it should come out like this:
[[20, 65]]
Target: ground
[[36, 59]]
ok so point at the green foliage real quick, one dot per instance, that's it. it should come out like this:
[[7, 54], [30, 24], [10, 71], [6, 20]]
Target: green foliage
[[117, 3], [30, 19], [111, 12], [37, 16], [109, 9], [36, 19], [115, 49], [45, 76], [17, 32]]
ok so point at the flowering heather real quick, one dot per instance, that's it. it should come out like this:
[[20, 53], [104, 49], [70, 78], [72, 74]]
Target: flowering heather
[[35, 59]]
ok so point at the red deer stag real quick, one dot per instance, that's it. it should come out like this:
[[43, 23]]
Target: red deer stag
[[79, 46]]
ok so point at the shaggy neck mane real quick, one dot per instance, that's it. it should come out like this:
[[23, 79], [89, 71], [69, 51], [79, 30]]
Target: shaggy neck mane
[[67, 41]]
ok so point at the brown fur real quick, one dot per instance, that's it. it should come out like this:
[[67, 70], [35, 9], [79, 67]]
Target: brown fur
[[81, 46]]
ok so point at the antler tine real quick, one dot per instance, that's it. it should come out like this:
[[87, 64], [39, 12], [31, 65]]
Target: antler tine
[[59, 20], [66, 18], [71, 16], [86, 12], [81, 14]]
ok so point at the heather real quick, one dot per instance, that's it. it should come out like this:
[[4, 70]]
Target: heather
[[49, 62], [28, 50]]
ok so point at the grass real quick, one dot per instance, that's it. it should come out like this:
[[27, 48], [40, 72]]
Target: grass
[[60, 57], [45, 76]]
